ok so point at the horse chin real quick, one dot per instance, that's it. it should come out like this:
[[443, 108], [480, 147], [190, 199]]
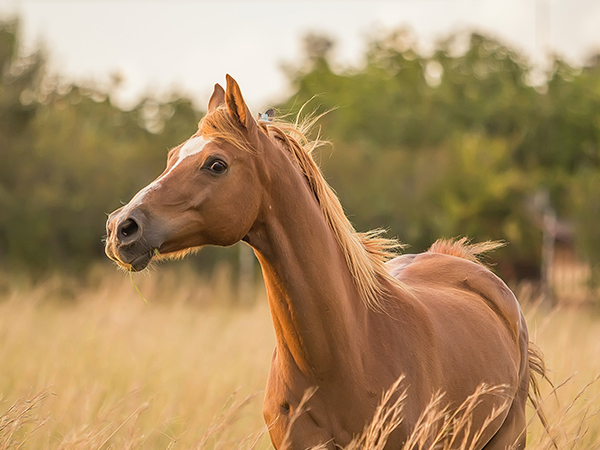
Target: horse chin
[[169, 254], [142, 261]]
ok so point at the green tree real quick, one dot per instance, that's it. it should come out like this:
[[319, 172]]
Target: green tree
[[456, 143]]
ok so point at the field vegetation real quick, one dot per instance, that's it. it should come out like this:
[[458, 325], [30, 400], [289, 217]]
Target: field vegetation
[[87, 364]]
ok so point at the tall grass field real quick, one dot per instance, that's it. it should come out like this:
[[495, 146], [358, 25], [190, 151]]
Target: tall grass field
[[88, 365]]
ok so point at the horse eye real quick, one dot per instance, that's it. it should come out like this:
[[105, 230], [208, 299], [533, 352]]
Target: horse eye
[[218, 166]]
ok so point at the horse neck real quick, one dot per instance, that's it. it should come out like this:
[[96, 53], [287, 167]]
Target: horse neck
[[316, 309]]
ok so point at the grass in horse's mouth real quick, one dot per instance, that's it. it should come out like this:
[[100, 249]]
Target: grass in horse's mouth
[[137, 289]]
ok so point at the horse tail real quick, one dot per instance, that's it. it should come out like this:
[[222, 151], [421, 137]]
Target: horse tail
[[537, 373]]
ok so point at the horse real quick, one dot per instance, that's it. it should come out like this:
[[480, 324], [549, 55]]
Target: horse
[[350, 316]]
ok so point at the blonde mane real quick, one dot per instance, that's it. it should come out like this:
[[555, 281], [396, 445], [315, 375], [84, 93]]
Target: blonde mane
[[463, 248], [366, 253]]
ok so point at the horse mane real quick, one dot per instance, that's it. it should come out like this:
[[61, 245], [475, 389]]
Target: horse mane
[[462, 248], [365, 253]]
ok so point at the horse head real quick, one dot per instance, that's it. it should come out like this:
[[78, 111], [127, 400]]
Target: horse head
[[209, 193]]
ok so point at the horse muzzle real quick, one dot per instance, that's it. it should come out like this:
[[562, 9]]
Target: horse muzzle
[[129, 241]]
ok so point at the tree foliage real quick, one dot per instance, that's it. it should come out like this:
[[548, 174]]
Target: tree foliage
[[68, 155], [458, 142]]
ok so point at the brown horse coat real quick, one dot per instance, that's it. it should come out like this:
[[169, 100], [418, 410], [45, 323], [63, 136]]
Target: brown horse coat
[[347, 324]]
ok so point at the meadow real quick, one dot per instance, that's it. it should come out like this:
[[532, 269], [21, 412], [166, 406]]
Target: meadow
[[86, 364]]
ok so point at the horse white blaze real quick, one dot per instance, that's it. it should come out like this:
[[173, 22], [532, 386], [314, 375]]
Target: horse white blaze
[[192, 147]]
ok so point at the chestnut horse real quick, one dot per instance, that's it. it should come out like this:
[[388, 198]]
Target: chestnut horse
[[349, 320]]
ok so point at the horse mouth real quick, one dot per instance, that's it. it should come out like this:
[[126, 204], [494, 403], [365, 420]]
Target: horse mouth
[[135, 264], [139, 263]]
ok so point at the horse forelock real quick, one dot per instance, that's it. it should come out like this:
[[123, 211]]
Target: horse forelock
[[218, 124], [365, 253]]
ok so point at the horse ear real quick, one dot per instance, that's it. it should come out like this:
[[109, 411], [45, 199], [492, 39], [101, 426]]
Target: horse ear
[[236, 104], [217, 98]]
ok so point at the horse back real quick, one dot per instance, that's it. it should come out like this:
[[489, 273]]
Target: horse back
[[438, 278]]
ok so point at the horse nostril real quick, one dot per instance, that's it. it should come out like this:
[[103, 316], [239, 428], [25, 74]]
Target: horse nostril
[[128, 228]]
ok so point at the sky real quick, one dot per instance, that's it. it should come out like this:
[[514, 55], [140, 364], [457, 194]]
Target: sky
[[159, 46]]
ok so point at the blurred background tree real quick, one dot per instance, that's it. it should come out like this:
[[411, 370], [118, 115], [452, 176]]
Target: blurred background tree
[[19, 78], [68, 156], [457, 142]]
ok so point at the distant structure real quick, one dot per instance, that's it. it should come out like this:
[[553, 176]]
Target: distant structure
[[569, 274], [564, 275]]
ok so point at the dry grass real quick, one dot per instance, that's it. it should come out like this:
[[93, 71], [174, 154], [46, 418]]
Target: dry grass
[[90, 366], [120, 372], [570, 339]]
